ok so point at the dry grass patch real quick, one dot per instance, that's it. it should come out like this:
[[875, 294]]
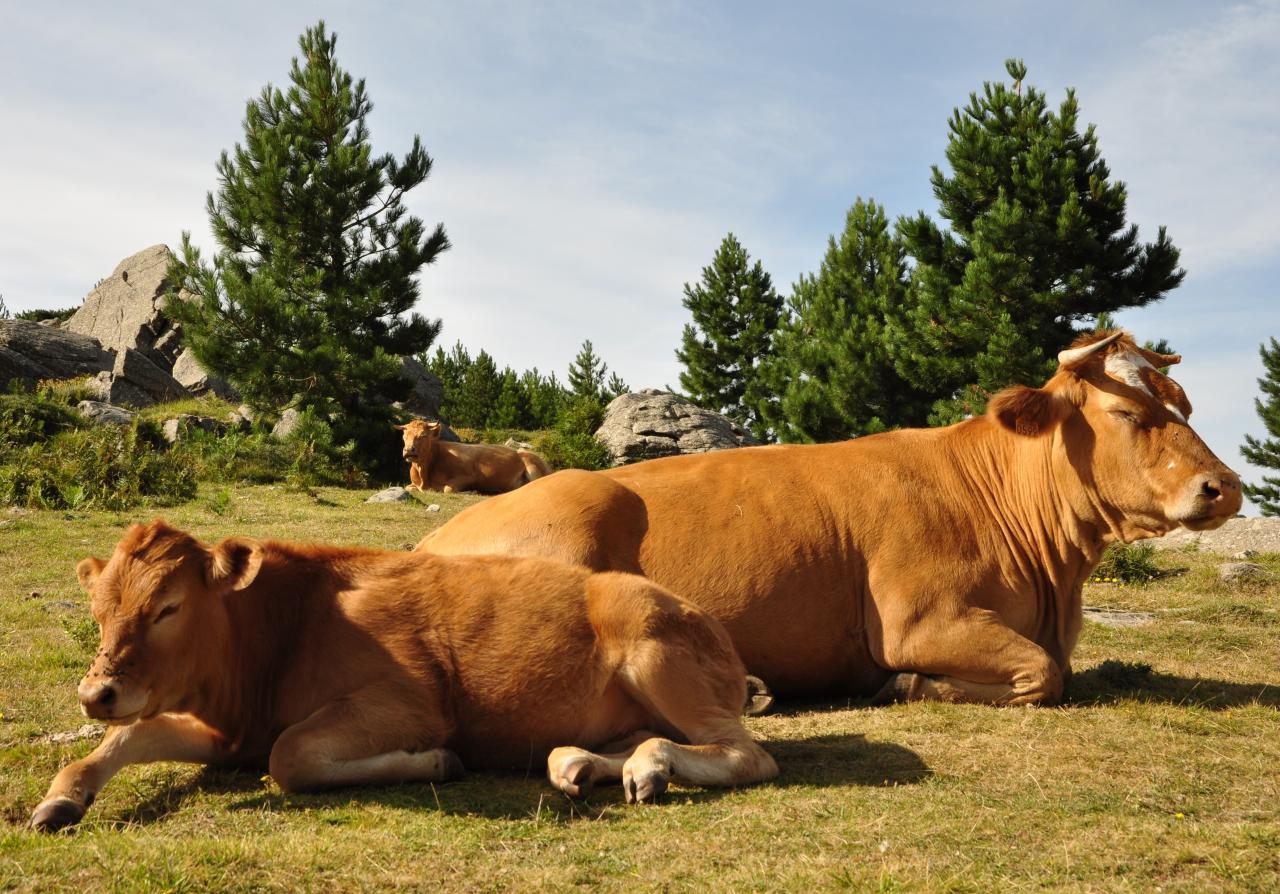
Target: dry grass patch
[[1159, 772]]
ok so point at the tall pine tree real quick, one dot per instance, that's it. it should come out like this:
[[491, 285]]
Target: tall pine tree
[[1037, 244], [1266, 453], [831, 373], [587, 373], [735, 311], [308, 300]]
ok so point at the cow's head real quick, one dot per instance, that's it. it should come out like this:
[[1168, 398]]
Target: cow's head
[[419, 435], [158, 604], [1123, 427]]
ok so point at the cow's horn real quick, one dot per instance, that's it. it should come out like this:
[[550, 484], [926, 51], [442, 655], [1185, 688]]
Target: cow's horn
[[1073, 356]]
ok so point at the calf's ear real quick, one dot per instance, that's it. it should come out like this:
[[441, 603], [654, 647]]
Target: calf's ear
[[233, 564], [1030, 412], [87, 572]]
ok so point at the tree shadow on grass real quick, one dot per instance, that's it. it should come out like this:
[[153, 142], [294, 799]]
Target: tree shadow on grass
[[812, 761], [1114, 681]]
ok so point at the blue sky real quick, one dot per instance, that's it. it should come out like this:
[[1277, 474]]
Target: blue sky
[[590, 156]]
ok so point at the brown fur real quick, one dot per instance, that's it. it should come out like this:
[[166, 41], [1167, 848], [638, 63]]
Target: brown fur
[[448, 467], [942, 563], [342, 666]]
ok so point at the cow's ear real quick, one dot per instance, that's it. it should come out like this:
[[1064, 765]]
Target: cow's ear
[[87, 572], [233, 564], [1030, 412]]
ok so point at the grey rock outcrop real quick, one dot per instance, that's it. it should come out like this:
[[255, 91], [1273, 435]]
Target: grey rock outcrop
[[649, 424], [1236, 535], [174, 429], [101, 413], [30, 351], [136, 381], [428, 391], [1238, 572], [196, 379], [287, 424], [126, 309]]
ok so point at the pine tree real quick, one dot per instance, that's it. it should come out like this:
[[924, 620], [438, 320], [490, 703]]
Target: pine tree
[[587, 373], [1037, 243], [513, 408], [308, 300], [614, 387], [1266, 453], [547, 398], [831, 373], [451, 369], [735, 311], [479, 394]]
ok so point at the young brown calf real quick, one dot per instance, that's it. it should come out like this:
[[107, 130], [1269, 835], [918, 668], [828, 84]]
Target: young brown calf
[[345, 666], [448, 467]]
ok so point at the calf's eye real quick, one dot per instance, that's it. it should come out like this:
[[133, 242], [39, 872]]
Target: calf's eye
[[165, 612]]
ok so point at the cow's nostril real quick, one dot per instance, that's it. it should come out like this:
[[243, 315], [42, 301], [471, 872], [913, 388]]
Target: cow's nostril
[[107, 695], [1209, 491]]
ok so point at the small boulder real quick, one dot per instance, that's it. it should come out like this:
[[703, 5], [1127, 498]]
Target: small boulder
[[513, 444], [390, 495], [196, 379], [649, 424], [1240, 572], [101, 413], [433, 507], [288, 423], [173, 429]]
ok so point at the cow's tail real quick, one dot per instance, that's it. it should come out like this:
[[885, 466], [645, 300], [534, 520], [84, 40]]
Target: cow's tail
[[534, 466]]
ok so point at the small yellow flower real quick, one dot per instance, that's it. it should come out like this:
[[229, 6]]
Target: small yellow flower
[[1179, 815]]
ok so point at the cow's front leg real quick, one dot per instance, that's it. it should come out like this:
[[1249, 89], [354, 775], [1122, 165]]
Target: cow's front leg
[[341, 744], [168, 737], [974, 658]]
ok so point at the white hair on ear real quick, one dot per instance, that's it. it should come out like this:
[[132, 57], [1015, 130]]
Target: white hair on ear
[[1125, 368]]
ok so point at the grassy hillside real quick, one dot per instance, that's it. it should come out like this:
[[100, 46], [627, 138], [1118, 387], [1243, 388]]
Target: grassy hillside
[[1160, 772]]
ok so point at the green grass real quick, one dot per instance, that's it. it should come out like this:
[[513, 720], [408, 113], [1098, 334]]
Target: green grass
[[1160, 771]]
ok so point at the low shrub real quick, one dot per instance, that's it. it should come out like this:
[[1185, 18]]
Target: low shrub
[[27, 419], [1127, 563], [106, 467]]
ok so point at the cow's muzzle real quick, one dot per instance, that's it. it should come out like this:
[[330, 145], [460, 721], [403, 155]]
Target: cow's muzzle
[[108, 699], [1216, 498]]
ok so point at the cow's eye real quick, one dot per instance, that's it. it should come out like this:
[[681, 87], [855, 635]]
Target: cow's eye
[[166, 612], [1126, 416]]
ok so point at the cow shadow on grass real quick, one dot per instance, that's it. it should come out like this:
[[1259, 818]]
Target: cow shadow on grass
[[1115, 681], [817, 761]]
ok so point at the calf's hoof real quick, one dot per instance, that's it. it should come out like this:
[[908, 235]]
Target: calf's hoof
[[574, 778], [898, 688], [55, 814], [759, 698], [451, 767], [642, 788]]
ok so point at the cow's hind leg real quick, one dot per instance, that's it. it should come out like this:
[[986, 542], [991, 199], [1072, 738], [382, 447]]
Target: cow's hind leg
[[679, 664], [363, 741]]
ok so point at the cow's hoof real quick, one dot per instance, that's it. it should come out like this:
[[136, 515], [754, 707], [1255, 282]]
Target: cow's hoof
[[55, 814], [898, 688], [451, 767], [759, 698], [644, 787], [575, 778]]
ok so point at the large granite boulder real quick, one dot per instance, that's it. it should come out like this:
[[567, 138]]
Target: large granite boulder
[[196, 379], [137, 382], [100, 413], [30, 351], [428, 391], [126, 308], [649, 424]]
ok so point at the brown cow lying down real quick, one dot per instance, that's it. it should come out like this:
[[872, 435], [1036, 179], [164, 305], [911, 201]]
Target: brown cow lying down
[[447, 466], [345, 666], [942, 563]]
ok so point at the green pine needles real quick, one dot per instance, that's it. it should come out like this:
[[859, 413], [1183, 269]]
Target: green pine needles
[[1266, 452], [308, 301], [735, 312]]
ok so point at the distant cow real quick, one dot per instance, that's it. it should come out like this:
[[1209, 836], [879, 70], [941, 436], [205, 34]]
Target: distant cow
[[921, 564], [344, 666], [447, 466]]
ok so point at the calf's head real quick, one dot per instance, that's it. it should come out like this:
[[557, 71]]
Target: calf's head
[[1122, 424], [419, 434], [159, 606]]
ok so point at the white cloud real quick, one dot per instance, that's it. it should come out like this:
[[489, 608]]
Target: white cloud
[[1192, 121]]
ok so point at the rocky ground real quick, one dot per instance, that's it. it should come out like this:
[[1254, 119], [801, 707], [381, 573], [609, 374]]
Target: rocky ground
[[1257, 535]]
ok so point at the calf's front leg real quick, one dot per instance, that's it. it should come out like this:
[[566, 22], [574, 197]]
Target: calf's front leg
[[167, 737], [341, 745]]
